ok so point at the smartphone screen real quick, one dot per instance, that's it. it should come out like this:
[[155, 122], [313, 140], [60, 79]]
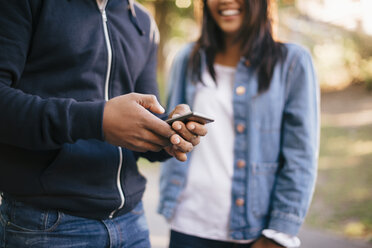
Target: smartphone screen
[[191, 116]]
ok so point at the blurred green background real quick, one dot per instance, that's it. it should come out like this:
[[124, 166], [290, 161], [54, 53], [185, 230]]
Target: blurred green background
[[339, 35]]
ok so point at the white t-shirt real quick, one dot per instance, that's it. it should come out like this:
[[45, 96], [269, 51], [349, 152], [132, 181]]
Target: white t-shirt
[[205, 202]]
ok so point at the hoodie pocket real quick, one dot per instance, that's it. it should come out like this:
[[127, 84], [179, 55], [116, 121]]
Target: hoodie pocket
[[261, 188], [86, 168]]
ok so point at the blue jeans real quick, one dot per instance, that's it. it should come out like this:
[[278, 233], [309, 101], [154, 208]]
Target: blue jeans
[[25, 226], [181, 240]]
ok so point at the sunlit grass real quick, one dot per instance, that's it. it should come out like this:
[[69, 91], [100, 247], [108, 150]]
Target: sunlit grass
[[343, 196]]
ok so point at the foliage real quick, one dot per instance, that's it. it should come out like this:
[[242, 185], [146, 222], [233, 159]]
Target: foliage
[[341, 57], [177, 26]]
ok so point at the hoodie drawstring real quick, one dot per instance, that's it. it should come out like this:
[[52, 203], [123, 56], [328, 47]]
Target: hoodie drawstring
[[133, 17]]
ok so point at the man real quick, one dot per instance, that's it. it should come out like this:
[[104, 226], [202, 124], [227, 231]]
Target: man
[[77, 86]]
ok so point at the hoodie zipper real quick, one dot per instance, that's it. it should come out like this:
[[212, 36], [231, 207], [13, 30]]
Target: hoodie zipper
[[109, 63]]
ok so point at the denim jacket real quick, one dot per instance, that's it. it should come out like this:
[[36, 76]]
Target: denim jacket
[[275, 147]]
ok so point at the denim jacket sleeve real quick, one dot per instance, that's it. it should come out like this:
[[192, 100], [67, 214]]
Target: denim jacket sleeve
[[173, 172], [299, 147], [178, 78]]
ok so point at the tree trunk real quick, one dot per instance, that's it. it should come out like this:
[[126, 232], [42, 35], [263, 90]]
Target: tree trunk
[[162, 8]]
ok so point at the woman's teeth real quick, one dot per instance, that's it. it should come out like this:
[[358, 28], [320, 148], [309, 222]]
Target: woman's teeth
[[230, 12]]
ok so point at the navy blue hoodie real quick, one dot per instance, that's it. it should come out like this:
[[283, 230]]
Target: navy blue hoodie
[[60, 60]]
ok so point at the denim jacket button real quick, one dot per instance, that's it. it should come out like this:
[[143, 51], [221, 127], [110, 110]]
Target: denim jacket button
[[241, 163], [240, 128], [175, 182], [239, 202], [240, 90]]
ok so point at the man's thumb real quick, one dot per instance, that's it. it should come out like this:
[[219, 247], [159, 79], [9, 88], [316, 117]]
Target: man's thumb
[[151, 103]]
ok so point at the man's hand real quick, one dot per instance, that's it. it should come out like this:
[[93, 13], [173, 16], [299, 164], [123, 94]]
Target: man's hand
[[188, 135], [127, 122], [264, 242]]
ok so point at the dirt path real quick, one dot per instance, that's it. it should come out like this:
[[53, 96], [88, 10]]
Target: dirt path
[[349, 107]]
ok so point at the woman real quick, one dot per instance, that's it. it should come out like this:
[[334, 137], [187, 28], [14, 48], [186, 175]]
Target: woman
[[249, 183]]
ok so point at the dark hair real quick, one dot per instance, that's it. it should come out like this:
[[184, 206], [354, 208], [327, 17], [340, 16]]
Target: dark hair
[[258, 46]]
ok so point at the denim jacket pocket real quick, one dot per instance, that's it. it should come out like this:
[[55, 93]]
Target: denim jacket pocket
[[261, 187]]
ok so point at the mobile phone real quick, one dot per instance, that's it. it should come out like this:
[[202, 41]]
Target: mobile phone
[[191, 116]]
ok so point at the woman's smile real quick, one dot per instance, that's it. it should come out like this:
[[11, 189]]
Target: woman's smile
[[228, 14]]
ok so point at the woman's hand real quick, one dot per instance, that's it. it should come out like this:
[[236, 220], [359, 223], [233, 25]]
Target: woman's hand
[[188, 134], [264, 242]]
